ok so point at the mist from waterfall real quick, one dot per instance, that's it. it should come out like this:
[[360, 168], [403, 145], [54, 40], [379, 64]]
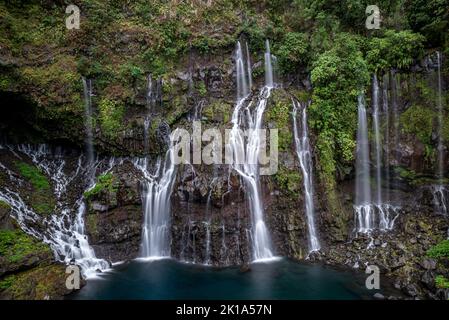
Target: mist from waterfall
[[304, 153]]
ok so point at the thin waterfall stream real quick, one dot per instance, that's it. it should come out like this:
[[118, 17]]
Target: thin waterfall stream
[[304, 154]]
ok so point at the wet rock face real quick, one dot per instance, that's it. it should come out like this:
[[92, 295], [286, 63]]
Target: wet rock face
[[400, 254], [210, 222], [114, 220]]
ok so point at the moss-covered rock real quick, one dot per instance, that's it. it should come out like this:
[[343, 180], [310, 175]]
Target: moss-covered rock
[[41, 283], [41, 197], [19, 251]]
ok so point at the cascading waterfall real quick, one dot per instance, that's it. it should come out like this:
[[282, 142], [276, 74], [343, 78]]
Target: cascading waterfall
[[268, 66], [439, 190], [304, 154], [64, 230], [386, 111], [87, 86], [440, 169], [370, 214], [157, 189], [363, 208], [242, 78], [245, 156], [150, 98], [248, 67], [377, 147]]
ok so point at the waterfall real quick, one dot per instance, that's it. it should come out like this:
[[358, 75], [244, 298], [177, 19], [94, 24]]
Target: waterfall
[[377, 147], [157, 189], [63, 230], [386, 111], [363, 206], [207, 223], [395, 120], [370, 215], [87, 86], [268, 66], [304, 154], [242, 78], [245, 155], [248, 66], [150, 100], [247, 167], [440, 172], [439, 190]]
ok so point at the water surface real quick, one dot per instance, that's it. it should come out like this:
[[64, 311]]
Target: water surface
[[169, 279]]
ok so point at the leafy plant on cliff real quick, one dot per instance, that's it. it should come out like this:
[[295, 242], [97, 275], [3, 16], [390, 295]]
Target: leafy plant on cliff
[[439, 251], [338, 76], [441, 282], [110, 116], [394, 50], [418, 120], [104, 182], [293, 51]]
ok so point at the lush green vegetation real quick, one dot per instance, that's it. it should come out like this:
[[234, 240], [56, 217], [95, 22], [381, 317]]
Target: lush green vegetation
[[105, 182], [34, 175], [16, 245], [121, 42], [41, 198], [339, 76], [110, 117], [441, 250], [441, 282], [4, 205]]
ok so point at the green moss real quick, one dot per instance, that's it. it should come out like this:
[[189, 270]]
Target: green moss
[[7, 282], [34, 175], [218, 111], [441, 282], [42, 198], [15, 245], [405, 173], [439, 251], [4, 205], [43, 282], [418, 120], [288, 180], [202, 90], [281, 118], [105, 182], [111, 117]]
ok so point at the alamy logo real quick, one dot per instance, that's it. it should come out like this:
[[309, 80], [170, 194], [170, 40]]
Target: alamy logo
[[373, 281], [72, 282], [72, 21], [373, 20], [242, 148]]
